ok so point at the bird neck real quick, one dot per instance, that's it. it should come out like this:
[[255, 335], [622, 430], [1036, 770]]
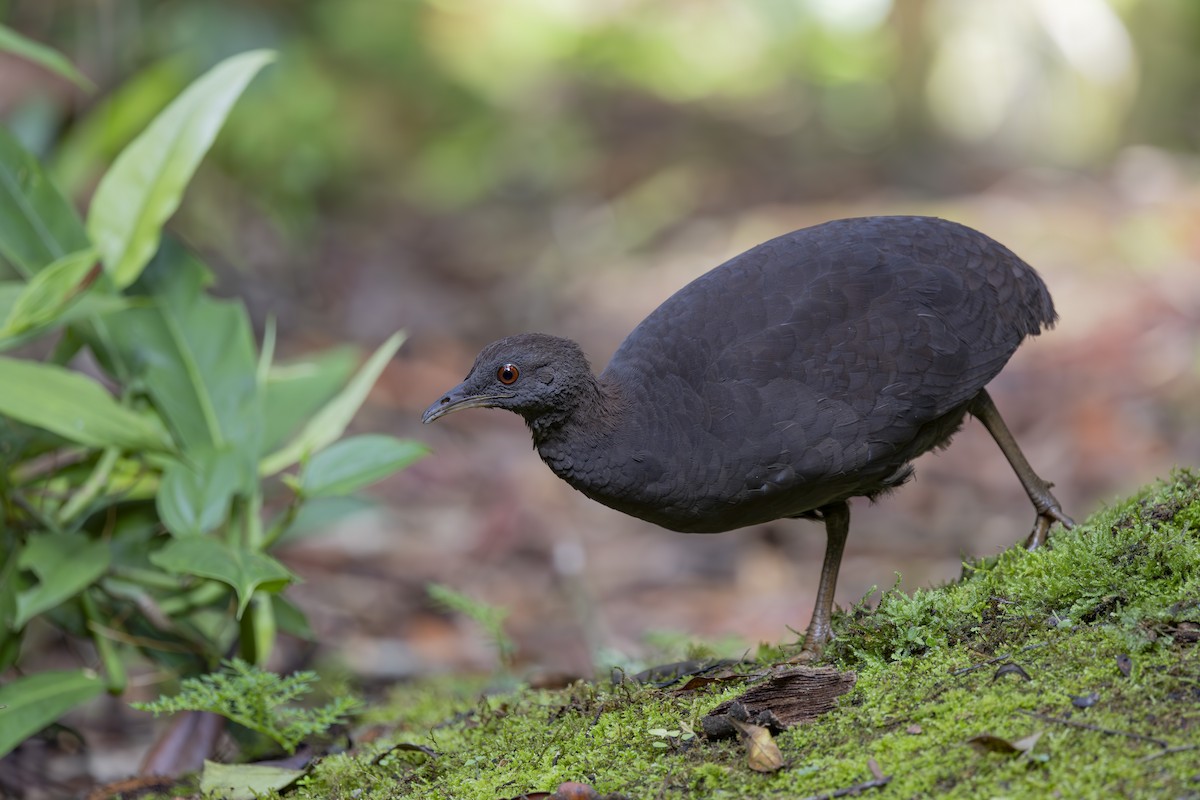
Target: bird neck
[[580, 407], [589, 413]]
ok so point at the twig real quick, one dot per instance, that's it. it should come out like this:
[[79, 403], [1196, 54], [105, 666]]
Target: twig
[[989, 662], [1168, 751], [878, 782], [1084, 726]]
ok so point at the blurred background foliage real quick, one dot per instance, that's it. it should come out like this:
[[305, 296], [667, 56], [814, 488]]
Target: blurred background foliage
[[472, 168], [485, 138]]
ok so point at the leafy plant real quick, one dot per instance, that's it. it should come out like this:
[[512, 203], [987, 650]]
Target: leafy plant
[[672, 739], [489, 618], [143, 456], [258, 700]]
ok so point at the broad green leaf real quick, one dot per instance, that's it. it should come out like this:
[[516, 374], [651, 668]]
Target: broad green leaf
[[49, 293], [37, 225], [83, 308], [10, 293], [208, 557], [296, 390], [330, 422], [93, 142], [195, 356], [74, 407], [245, 781], [31, 703], [320, 514], [194, 498], [359, 461], [146, 183], [43, 56], [292, 620], [65, 564]]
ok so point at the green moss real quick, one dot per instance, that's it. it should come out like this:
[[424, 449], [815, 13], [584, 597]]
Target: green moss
[[1120, 584]]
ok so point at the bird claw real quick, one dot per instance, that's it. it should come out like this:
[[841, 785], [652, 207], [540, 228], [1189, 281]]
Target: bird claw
[[806, 656], [1041, 526], [819, 632]]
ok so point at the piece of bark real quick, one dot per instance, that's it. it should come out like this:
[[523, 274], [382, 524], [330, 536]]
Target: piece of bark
[[787, 698]]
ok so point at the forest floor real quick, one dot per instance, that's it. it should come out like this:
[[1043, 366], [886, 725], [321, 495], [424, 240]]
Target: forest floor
[[1070, 671]]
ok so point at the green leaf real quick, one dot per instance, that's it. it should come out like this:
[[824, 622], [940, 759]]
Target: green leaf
[[146, 183], [296, 390], [10, 292], [80, 306], [292, 620], [353, 463], [330, 422], [31, 703], [91, 143], [50, 292], [84, 309], [245, 781], [37, 225], [74, 407], [207, 557], [318, 515], [43, 56], [195, 356], [65, 564], [10, 649], [10, 632], [194, 497]]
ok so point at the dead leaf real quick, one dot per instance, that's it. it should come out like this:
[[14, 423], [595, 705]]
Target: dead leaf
[[914, 730], [1125, 664], [570, 790], [1026, 744], [1010, 669], [664, 675], [133, 787], [1186, 632], [876, 772], [987, 743], [701, 681], [189, 739], [762, 754], [554, 680], [1085, 701]]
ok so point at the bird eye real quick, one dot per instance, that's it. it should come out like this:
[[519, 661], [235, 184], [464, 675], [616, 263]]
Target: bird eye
[[508, 374]]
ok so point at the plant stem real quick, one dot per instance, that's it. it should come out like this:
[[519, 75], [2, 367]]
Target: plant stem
[[90, 488], [114, 667], [283, 523], [204, 594]]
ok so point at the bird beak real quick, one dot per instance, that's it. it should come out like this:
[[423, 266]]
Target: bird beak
[[457, 399]]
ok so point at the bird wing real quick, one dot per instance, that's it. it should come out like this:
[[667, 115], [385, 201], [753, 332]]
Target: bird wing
[[827, 351]]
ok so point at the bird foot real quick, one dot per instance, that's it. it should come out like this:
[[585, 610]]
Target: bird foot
[[1046, 517], [819, 632], [806, 656]]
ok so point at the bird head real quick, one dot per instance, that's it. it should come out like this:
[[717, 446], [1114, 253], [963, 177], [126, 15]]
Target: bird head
[[535, 375]]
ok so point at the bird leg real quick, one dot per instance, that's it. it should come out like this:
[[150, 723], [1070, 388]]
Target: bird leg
[[837, 526], [1047, 506]]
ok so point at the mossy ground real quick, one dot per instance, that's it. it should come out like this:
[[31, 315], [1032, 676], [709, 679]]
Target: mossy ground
[[1120, 593]]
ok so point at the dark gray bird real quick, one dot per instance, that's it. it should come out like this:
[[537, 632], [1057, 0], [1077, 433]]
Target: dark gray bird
[[806, 371]]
